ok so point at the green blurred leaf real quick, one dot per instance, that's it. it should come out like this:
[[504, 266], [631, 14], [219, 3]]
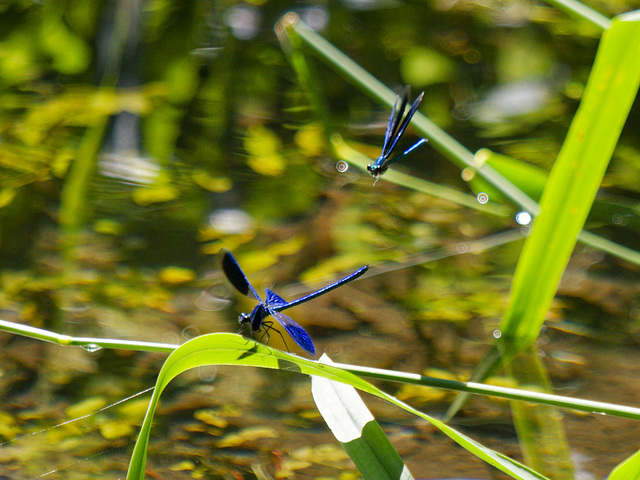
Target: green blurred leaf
[[423, 66], [529, 178], [70, 53]]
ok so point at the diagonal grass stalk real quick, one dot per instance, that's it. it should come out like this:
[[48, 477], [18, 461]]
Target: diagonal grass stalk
[[294, 35], [91, 344]]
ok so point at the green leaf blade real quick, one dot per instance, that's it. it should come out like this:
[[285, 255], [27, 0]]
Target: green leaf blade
[[627, 470], [574, 180]]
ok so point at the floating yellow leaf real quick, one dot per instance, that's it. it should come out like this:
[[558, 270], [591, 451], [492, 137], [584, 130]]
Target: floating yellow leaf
[[247, 435], [325, 454], [155, 194], [116, 429], [311, 140], [8, 427], [272, 164], [263, 147], [177, 275], [85, 407], [261, 141], [134, 409], [107, 227], [185, 465], [422, 395], [213, 184], [210, 417], [349, 476], [6, 196], [257, 260], [290, 246]]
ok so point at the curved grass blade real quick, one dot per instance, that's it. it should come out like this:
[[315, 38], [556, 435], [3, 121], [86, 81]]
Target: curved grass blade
[[230, 349]]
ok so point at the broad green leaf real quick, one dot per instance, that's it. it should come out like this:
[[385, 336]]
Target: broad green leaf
[[531, 180], [574, 180], [627, 470], [570, 190], [567, 199], [230, 349], [356, 429]]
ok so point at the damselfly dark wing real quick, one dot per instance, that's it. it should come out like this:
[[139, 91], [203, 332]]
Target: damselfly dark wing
[[274, 300], [236, 276], [405, 123], [299, 335], [398, 123], [394, 122]]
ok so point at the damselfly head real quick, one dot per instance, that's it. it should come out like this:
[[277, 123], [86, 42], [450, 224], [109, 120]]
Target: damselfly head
[[373, 169], [243, 319], [376, 169]]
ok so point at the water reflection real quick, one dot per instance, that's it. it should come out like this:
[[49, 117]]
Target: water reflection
[[230, 221], [512, 100], [316, 17], [129, 167], [217, 296], [243, 20]]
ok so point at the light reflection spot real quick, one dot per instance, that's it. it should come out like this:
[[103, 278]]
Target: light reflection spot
[[342, 166], [618, 219], [190, 332], [482, 198], [523, 218]]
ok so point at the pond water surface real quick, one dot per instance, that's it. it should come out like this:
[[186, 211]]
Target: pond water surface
[[201, 138]]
